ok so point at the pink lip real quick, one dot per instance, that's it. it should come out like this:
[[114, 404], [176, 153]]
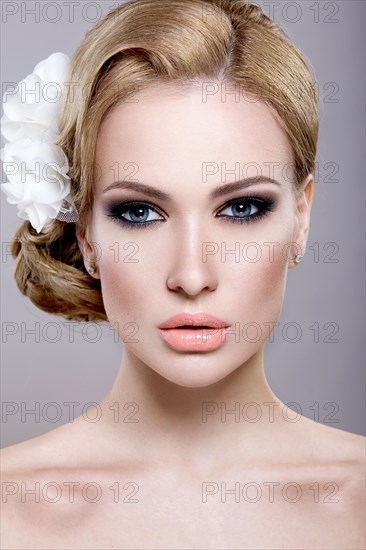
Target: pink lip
[[177, 335]]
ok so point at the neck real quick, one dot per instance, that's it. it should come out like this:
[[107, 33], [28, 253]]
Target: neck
[[238, 416]]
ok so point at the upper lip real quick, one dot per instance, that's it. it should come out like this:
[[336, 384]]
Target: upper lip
[[196, 320]]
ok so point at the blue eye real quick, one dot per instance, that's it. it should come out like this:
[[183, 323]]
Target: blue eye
[[248, 209], [133, 214]]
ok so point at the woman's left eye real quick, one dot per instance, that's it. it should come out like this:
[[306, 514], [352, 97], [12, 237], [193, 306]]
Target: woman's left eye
[[247, 209]]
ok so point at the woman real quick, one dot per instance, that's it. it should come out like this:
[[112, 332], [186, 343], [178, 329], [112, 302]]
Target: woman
[[191, 203]]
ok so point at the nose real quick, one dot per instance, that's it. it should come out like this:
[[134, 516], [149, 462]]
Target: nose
[[191, 271]]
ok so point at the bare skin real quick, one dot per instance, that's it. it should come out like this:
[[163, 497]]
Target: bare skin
[[161, 502], [172, 452]]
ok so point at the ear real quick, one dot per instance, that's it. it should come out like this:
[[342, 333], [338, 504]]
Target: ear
[[87, 247], [303, 202]]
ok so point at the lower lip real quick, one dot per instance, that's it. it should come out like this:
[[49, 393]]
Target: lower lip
[[202, 339]]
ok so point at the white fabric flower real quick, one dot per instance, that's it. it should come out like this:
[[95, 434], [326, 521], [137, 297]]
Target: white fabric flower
[[38, 181], [35, 166], [32, 111]]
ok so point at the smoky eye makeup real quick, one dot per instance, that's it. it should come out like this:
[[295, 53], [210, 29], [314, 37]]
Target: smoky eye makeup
[[247, 209], [133, 214], [137, 214]]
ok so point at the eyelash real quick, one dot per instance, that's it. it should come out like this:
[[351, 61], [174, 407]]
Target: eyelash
[[264, 205]]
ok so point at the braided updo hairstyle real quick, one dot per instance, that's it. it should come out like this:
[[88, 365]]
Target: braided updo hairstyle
[[138, 44]]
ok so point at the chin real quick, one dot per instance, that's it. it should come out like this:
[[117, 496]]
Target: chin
[[198, 370], [195, 378]]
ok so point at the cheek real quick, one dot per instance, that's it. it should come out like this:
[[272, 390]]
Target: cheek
[[258, 281], [123, 283], [127, 268]]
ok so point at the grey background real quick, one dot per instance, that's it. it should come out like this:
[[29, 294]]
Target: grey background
[[324, 380]]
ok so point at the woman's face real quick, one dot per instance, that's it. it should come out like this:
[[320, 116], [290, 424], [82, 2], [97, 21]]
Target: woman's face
[[183, 249]]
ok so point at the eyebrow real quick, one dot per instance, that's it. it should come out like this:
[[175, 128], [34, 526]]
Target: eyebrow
[[215, 193]]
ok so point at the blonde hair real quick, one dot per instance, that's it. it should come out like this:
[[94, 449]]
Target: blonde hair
[[139, 44]]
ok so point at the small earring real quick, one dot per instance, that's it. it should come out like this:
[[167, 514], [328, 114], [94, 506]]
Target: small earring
[[91, 270], [297, 259]]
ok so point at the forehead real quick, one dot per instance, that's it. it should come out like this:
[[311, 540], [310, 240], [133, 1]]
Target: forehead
[[171, 132]]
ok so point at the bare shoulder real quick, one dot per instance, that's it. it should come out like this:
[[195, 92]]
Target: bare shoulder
[[33, 476], [341, 445], [65, 446], [25, 455], [332, 447], [32, 454], [351, 451], [343, 454], [36, 460], [19, 466], [332, 461], [46, 459]]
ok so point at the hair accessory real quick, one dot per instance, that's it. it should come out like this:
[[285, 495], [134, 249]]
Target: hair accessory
[[297, 259], [35, 166]]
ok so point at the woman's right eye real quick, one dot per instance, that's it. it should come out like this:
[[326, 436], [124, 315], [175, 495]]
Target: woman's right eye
[[134, 214]]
